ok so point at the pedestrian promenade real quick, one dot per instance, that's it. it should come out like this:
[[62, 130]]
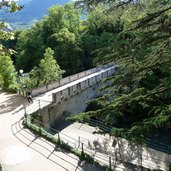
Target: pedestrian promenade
[[22, 150]]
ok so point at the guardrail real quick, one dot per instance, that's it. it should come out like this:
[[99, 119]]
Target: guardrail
[[100, 124], [103, 159], [36, 106], [81, 85], [108, 157], [66, 80], [164, 147]]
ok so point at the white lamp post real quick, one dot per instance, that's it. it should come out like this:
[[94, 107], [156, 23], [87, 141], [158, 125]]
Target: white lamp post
[[21, 71], [22, 81]]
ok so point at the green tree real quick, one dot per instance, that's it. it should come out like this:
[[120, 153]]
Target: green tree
[[100, 29], [7, 70], [59, 31], [140, 92], [7, 73], [67, 51], [47, 71], [29, 49]]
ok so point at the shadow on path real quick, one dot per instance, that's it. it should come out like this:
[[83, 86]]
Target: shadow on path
[[9, 102], [49, 150]]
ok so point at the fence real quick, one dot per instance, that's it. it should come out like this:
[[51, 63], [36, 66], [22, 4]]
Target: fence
[[36, 106], [160, 146], [103, 159], [67, 92], [100, 124], [106, 156], [66, 80]]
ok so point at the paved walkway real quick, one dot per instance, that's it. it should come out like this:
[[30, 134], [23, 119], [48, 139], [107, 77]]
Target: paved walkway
[[20, 150]]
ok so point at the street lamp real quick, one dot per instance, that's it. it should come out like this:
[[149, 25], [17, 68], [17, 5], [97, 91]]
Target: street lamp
[[21, 71], [22, 81]]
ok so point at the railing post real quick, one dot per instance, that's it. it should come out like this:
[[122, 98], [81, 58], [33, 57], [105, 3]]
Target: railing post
[[82, 148], [82, 151], [78, 141], [58, 135], [110, 163], [39, 104], [25, 112]]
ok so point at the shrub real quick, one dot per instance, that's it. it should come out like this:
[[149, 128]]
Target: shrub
[[0, 167], [169, 166], [66, 147]]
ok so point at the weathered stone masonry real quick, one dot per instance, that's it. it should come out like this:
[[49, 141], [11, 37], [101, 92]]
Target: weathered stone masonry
[[72, 100]]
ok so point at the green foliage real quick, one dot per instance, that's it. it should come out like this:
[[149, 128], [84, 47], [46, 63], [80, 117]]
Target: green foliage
[[30, 49], [140, 45], [4, 34], [10, 6], [59, 31], [47, 71], [7, 73], [65, 146], [169, 166], [7, 70], [0, 167]]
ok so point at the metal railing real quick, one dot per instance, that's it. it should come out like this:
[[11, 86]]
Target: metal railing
[[66, 80], [36, 105], [105, 156], [103, 159], [160, 146], [100, 124]]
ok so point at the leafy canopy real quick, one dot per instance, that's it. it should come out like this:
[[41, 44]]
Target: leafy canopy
[[7, 70], [59, 30], [140, 91], [47, 71]]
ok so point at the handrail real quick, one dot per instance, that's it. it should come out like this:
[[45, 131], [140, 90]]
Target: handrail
[[74, 142], [77, 76]]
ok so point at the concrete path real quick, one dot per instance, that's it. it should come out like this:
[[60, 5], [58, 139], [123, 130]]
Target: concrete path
[[20, 150]]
